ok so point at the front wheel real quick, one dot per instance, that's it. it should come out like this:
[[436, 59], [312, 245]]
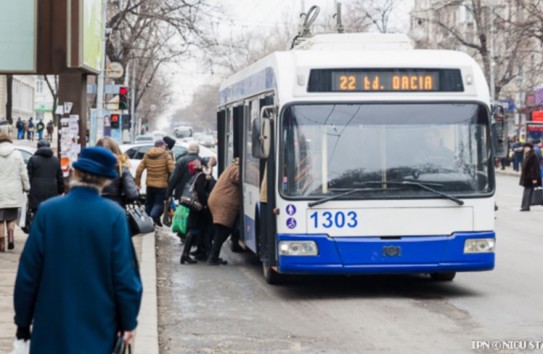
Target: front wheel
[[445, 276]]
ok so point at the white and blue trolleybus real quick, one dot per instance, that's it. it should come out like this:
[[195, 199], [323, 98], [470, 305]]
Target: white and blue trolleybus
[[362, 155]]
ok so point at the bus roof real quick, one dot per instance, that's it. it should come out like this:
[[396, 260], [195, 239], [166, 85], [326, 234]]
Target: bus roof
[[288, 71]]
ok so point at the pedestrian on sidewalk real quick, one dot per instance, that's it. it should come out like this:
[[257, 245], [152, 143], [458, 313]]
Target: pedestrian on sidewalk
[[20, 125], [45, 175], [50, 128], [224, 206], [31, 128], [159, 166], [530, 176], [122, 189], [78, 282], [40, 128], [13, 181]]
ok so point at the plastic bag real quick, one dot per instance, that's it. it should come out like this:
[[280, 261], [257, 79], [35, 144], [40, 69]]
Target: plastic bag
[[21, 346], [180, 220]]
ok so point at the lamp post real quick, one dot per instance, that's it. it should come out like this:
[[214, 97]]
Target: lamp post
[[101, 77]]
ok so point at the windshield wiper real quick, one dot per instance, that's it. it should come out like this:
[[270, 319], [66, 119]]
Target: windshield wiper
[[402, 183], [332, 197], [430, 189]]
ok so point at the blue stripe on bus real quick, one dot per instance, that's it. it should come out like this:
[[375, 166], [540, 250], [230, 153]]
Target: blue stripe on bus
[[366, 255], [259, 82]]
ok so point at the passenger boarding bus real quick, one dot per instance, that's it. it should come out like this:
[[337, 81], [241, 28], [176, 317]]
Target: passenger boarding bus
[[361, 155]]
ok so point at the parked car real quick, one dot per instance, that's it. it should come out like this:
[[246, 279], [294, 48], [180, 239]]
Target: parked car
[[206, 140], [135, 153], [144, 139], [26, 152]]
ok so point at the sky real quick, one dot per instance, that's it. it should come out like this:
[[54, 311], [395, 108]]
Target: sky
[[258, 15]]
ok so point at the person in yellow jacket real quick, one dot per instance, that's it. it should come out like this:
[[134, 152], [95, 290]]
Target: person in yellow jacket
[[159, 165]]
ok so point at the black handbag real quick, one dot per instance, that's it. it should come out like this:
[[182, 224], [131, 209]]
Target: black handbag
[[121, 347], [190, 196], [138, 220], [537, 196]]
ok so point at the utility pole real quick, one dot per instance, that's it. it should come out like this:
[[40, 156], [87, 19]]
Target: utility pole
[[101, 78], [133, 125], [492, 63]]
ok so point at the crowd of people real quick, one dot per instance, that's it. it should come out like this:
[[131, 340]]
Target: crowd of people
[[28, 129], [79, 249]]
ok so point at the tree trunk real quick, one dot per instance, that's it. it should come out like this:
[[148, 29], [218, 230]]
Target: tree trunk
[[9, 101]]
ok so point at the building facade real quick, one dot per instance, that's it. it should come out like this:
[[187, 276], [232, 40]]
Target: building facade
[[22, 99]]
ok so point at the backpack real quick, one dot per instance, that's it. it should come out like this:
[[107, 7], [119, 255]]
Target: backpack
[[190, 196]]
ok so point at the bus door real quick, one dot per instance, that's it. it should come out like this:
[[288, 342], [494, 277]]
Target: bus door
[[250, 178]]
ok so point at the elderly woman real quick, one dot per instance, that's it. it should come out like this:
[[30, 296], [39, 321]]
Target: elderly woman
[[78, 284], [14, 180]]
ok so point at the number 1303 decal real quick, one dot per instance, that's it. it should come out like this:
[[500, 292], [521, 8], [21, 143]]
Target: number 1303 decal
[[338, 219]]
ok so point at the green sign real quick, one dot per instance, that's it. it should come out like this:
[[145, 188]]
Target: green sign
[[18, 36], [91, 21]]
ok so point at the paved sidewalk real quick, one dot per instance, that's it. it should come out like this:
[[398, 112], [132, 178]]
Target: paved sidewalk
[[146, 341]]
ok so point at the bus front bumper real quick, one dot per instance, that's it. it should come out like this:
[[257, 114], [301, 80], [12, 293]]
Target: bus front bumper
[[374, 255]]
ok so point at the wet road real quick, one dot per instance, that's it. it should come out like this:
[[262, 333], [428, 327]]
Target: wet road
[[231, 309]]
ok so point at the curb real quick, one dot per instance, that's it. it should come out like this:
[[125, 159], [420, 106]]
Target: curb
[[146, 339]]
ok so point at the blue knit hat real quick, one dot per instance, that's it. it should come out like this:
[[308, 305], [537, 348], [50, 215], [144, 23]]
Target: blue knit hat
[[98, 161]]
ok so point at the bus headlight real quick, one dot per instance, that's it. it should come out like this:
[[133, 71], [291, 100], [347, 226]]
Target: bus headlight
[[479, 245], [298, 248]]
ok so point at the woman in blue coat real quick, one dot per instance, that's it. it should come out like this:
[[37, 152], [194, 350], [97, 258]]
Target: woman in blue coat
[[78, 283]]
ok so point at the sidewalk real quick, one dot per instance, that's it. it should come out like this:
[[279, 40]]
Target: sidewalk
[[146, 341], [508, 171]]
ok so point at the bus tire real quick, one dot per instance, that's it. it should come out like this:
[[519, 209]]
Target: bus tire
[[443, 276], [271, 276]]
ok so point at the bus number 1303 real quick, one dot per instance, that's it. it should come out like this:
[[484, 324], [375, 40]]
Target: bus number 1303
[[338, 219]]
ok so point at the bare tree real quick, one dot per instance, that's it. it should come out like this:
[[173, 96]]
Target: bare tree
[[53, 89], [474, 34], [9, 99], [150, 33], [361, 15]]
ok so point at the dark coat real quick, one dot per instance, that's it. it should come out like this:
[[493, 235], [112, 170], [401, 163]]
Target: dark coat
[[122, 189], [45, 177], [203, 187], [530, 170], [224, 199], [181, 175], [78, 282]]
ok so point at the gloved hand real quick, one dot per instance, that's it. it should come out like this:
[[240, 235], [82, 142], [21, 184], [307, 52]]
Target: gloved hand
[[23, 333]]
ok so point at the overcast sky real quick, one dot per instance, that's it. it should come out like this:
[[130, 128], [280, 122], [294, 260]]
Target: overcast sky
[[262, 15]]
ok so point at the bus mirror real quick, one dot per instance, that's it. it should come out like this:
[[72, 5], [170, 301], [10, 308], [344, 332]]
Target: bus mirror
[[261, 138], [499, 140]]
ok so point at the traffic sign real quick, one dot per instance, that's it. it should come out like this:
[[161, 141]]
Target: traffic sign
[[114, 70]]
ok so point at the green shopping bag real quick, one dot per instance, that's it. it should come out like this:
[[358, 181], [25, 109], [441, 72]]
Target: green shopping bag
[[180, 220]]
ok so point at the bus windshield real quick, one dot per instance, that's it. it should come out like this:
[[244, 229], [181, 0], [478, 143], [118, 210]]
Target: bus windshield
[[328, 149]]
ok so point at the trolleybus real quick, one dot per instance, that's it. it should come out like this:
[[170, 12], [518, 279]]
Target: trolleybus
[[361, 155]]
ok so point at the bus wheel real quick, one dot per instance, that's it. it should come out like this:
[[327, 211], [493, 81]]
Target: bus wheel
[[445, 276], [271, 276]]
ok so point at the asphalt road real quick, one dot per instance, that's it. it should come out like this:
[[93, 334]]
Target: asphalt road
[[231, 309]]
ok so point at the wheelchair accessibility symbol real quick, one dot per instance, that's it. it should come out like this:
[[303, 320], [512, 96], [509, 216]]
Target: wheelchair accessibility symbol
[[291, 223]]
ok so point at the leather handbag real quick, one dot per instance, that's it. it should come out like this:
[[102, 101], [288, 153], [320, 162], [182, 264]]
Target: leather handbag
[[190, 196], [138, 220]]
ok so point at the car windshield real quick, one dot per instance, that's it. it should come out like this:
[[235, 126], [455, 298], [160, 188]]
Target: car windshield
[[327, 149]]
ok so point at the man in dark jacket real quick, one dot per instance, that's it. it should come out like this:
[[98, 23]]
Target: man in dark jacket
[[181, 173], [45, 176], [530, 176]]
